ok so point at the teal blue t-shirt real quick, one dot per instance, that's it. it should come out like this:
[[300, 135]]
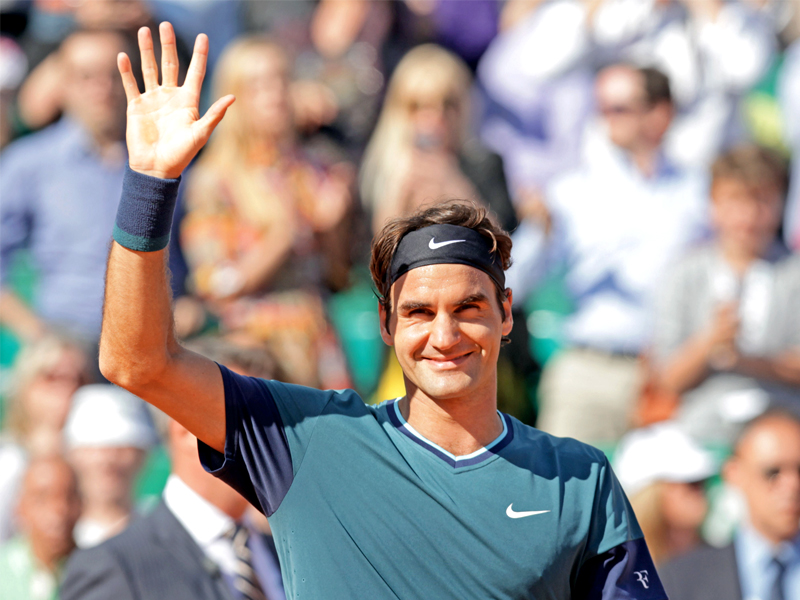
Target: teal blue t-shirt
[[363, 506]]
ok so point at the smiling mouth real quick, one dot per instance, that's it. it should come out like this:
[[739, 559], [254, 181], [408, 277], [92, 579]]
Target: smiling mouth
[[444, 363]]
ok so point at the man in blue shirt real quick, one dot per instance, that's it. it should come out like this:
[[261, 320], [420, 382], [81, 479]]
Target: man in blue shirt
[[435, 494], [61, 188]]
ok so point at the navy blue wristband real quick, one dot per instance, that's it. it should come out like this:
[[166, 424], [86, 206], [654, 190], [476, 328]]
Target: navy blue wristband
[[144, 215]]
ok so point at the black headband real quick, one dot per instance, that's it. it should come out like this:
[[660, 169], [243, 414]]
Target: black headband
[[446, 244]]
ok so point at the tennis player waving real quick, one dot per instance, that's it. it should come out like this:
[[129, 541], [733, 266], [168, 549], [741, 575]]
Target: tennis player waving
[[434, 495]]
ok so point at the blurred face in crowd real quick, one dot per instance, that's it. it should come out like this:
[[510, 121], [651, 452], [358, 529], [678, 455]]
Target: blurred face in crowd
[[264, 98], [93, 93], [684, 505], [435, 121], [105, 473], [746, 216], [48, 396], [446, 328], [49, 507], [632, 123], [766, 469]]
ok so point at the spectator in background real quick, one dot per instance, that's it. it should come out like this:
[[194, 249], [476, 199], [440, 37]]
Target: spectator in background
[[421, 150], [789, 96], [48, 508], [61, 188], [616, 223], [13, 67], [728, 327], [663, 473], [764, 559], [713, 52], [45, 376], [184, 548], [108, 434], [265, 231], [536, 85]]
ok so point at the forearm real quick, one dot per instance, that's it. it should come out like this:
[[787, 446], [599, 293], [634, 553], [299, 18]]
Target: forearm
[[688, 366], [137, 341], [784, 368], [19, 318]]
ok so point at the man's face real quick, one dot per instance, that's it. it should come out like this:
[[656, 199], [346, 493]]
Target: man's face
[[107, 473], [446, 327], [622, 104], [93, 93], [766, 469], [49, 507], [747, 216]]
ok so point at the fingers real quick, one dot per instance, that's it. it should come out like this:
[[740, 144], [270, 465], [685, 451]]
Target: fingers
[[128, 80], [197, 68], [213, 116], [169, 55], [149, 65]]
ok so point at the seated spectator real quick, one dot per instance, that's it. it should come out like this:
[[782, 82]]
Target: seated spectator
[[727, 335], [108, 434], [764, 559], [663, 473], [421, 150], [615, 224], [265, 229], [61, 188], [43, 380], [48, 508], [197, 543]]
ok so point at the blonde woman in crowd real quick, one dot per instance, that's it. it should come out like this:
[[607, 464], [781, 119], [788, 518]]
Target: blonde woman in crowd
[[265, 228], [422, 151], [45, 376], [663, 471]]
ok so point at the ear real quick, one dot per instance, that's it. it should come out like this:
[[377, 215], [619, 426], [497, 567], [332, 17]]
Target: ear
[[732, 472], [385, 335], [508, 323]]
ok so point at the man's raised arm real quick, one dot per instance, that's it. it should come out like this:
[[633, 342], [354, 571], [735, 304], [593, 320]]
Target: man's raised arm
[[138, 350]]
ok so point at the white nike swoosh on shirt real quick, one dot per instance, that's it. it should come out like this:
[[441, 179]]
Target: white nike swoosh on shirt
[[434, 245], [525, 513]]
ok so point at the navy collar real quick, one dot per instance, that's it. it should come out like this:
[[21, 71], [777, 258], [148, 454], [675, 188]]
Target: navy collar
[[395, 416]]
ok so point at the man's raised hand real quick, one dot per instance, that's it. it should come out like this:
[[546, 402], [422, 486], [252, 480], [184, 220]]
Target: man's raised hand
[[164, 130]]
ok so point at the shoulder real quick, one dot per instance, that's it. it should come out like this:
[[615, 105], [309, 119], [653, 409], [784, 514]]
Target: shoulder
[[330, 401], [564, 457], [31, 147], [684, 577]]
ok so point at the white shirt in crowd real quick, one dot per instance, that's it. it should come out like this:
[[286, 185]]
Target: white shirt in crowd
[[614, 232], [207, 525]]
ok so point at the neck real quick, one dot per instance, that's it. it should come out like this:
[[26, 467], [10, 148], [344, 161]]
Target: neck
[[47, 558], [209, 489], [108, 511], [679, 541], [737, 257], [459, 426], [646, 159]]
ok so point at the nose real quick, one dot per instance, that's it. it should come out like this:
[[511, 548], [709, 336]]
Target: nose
[[445, 332]]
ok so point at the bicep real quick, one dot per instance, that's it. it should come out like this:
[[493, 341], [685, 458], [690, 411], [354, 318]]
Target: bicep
[[190, 390]]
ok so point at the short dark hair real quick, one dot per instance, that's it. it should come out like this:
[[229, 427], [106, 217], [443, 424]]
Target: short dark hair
[[656, 85], [452, 212], [751, 164]]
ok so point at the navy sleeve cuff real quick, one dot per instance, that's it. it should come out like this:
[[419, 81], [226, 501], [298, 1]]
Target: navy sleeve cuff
[[144, 215], [625, 572]]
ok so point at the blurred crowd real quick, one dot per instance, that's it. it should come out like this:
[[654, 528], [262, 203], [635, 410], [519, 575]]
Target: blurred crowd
[[645, 155]]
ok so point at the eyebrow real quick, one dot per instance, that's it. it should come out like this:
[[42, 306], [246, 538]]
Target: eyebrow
[[410, 305]]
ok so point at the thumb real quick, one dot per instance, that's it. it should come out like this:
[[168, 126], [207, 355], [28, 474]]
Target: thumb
[[213, 116]]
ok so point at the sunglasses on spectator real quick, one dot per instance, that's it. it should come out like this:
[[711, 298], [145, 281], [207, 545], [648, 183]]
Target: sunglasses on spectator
[[617, 110]]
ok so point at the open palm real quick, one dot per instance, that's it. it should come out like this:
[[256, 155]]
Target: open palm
[[165, 130]]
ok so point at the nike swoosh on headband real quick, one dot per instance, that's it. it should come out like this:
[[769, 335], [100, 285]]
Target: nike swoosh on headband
[[435, 245]]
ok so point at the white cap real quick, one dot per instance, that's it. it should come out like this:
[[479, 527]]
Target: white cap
[[661, 452], [105, 415]]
